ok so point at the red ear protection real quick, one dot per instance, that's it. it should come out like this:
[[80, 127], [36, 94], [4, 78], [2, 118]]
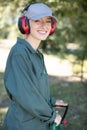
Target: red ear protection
[[53, 27], [23, 25]]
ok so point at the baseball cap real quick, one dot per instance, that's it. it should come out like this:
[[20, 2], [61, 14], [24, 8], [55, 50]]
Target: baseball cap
[[37, 11]]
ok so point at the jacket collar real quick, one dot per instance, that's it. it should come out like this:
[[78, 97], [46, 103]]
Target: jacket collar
[[27, 44]]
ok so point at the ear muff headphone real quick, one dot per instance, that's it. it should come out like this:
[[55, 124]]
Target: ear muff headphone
[[53, 27], [23, 22], [24, 27]]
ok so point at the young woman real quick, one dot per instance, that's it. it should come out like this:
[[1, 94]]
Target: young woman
[[26, 78]]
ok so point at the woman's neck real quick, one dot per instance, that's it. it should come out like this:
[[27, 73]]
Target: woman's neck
[[33, 42]]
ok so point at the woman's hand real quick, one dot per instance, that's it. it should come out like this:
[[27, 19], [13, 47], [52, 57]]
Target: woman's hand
[[60, 103], [57, 120]]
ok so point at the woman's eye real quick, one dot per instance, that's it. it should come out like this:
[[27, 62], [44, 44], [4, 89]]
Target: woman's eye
[[48, 21], [37, 21]]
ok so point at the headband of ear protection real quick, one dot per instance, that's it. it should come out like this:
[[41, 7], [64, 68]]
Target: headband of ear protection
[[24, 27]]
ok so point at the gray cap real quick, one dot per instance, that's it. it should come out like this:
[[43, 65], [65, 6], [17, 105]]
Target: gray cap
[[37, 11]]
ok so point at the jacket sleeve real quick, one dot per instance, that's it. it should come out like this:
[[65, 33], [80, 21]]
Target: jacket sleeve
[[52, 101], [23, 88]]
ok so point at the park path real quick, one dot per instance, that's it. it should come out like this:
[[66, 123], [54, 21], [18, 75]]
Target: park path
[[55, 66]]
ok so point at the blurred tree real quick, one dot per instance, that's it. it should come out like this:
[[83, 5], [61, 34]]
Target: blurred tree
[[79, 30]]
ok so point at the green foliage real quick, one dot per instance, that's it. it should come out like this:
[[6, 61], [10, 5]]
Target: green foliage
[[77, 69]]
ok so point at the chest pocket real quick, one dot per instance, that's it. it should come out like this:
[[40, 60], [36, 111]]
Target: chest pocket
[[41, 74]]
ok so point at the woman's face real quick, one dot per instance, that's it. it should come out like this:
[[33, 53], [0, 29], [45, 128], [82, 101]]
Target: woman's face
[[40, 29]]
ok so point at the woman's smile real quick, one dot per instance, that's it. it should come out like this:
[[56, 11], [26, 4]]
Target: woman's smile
[[42, 32]]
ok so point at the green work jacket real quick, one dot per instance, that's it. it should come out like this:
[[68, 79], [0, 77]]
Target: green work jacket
[[26, 82]]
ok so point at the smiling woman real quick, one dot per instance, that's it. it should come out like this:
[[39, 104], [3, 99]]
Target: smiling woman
[[39, 29], [26, 78]]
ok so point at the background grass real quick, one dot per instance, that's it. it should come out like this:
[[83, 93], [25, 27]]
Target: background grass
[[73, 92]]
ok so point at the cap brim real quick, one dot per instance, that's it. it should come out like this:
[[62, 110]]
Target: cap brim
[[37, 17]]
